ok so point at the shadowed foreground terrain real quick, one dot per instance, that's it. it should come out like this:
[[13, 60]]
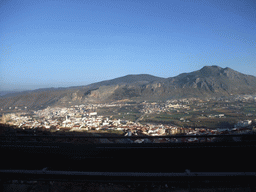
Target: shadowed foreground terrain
[[29, 163]]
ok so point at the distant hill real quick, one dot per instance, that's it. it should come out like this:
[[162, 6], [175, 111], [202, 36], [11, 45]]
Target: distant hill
[[210, 81], [129, 79], [2, 93]]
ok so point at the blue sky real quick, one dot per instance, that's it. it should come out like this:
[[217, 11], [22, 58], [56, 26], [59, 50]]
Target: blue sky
[[63, 43]]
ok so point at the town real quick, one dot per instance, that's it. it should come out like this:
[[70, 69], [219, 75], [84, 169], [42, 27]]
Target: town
[[128, 118]]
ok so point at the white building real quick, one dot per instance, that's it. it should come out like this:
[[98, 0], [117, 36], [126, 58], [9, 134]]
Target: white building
[[221, 115], [244, 123], [92, 113]]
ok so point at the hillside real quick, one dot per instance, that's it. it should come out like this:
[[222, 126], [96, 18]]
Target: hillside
[[210, 81]]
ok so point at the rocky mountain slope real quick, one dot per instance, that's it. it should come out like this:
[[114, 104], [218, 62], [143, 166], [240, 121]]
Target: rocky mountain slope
[[210, 81]]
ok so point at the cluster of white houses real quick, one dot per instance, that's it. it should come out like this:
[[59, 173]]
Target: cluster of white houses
[[79, 119]]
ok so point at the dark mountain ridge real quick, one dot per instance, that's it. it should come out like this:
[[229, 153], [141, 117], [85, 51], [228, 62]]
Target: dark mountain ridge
[[210, 81]]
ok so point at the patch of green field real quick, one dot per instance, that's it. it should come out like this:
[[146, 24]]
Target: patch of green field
[[212, 122], [169, 116], [145, 121], [126, 109], [249, 109], [129, 116], [197, 121], [132, 117], [230, 114], [107, 111]]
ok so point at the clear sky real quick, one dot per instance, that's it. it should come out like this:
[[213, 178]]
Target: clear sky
[[60, 43]]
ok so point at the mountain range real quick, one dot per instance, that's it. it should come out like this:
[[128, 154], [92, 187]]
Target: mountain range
[[208, 82]]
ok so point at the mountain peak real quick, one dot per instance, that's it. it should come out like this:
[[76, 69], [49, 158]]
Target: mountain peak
[[213, 67], [210, 70]]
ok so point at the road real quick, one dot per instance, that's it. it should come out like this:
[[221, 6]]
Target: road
[[140, 118]]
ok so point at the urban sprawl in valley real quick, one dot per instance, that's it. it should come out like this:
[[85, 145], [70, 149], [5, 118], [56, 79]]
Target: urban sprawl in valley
[[185, 116]]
